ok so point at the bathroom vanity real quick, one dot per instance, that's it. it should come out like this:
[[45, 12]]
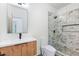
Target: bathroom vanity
[[19, 47], [14, 22]]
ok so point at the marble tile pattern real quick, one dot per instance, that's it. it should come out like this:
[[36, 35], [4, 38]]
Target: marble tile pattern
[[66, 41]]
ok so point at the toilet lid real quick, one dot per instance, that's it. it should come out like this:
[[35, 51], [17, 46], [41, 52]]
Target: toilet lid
[[49, 48]]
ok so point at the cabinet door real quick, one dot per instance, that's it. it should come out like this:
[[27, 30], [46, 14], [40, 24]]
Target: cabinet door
[[24, 49], [16, 50], [34, 48], [31, 48], [7, 51]]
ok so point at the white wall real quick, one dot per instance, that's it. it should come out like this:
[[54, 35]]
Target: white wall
[[38, 23], [3, 19]]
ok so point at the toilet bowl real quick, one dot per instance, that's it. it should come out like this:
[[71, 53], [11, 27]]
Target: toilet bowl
[[48, 50]]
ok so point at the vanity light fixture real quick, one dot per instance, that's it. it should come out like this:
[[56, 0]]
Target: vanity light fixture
[[24, 5]]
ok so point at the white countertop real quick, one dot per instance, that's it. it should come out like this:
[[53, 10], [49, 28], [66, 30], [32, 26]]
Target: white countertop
[[8, 42]]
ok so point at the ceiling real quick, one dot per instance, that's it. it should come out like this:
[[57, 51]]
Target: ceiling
[[54, 5], [59, 5]]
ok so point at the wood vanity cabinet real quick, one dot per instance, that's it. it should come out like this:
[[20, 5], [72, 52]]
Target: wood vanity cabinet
[[25, 49], [29, 48], [16, 50], [6, 51], [32, 48]]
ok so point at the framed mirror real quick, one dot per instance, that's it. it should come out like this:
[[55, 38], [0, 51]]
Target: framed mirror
[[17, 19]]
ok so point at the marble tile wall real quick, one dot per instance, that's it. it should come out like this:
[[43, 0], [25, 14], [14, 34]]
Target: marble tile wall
[[66, 41]]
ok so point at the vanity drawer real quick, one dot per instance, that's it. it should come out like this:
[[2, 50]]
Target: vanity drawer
[[25, 49], [7, 51]]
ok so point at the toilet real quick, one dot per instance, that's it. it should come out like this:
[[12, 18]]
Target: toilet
[[48, 50]]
